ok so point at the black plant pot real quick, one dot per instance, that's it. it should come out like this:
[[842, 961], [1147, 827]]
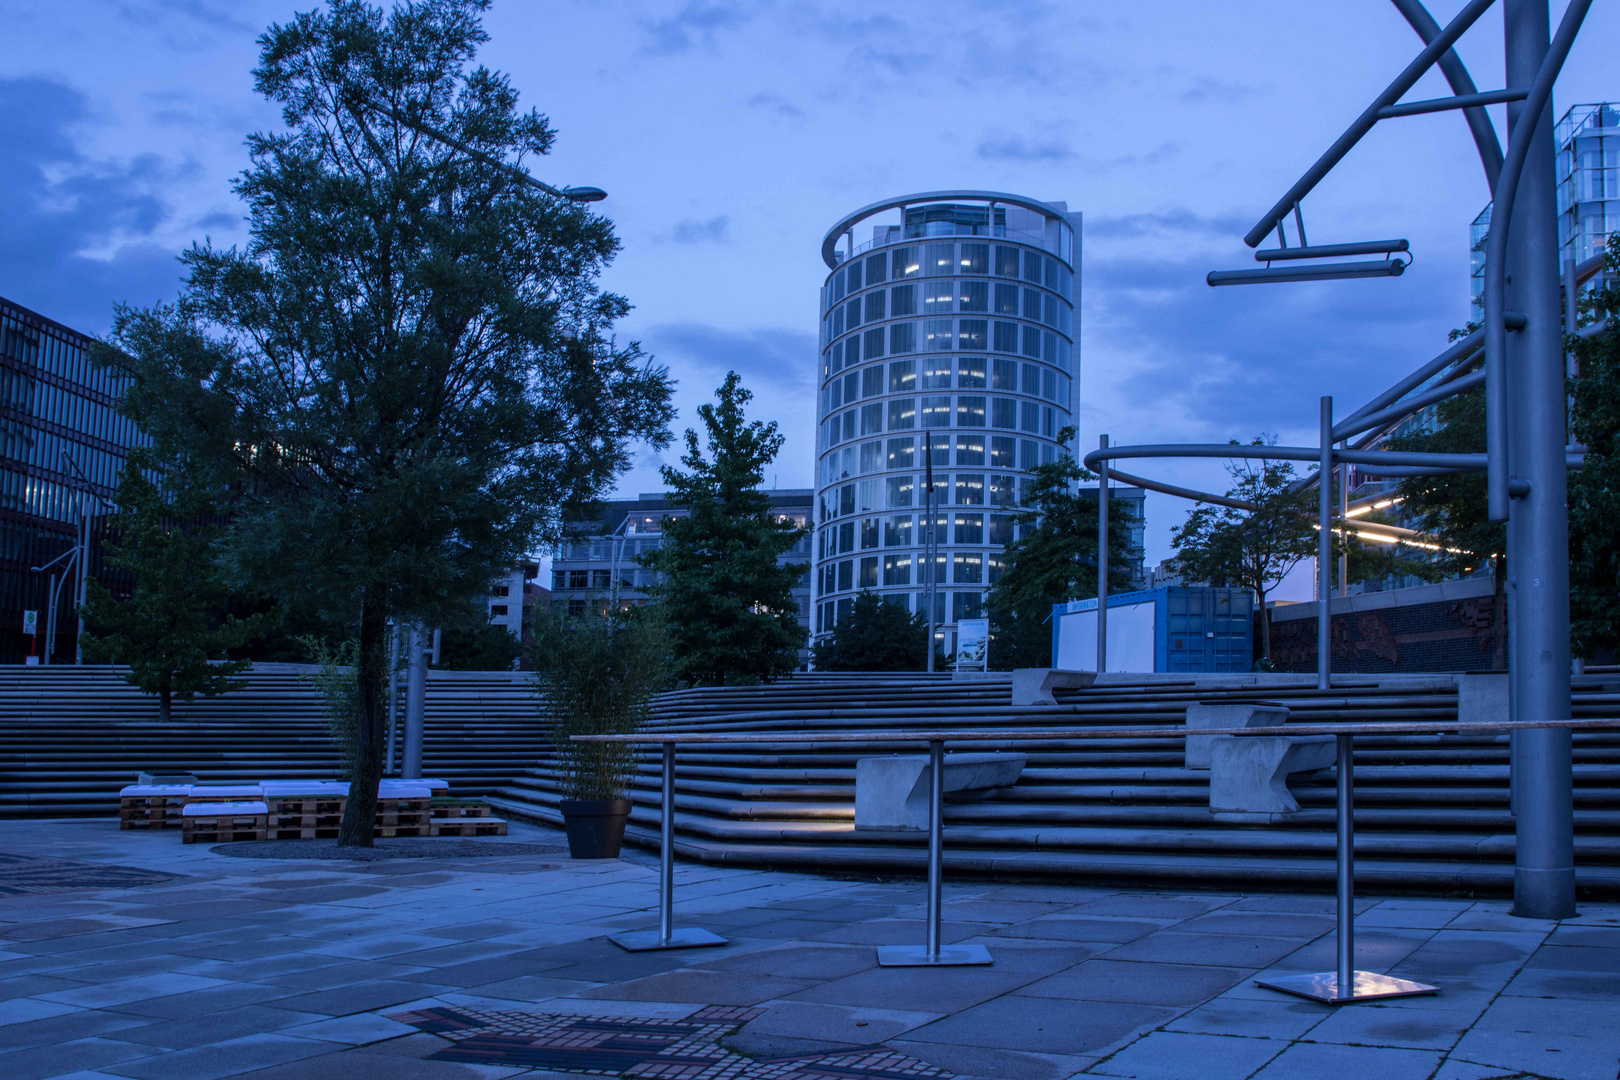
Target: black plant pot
[[595, 826]]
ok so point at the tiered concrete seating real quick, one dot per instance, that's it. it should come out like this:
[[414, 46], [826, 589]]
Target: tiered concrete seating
[[72, 737], [1432, 811]]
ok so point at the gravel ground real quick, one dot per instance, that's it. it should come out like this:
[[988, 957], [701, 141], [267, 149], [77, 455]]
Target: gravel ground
[[400, 848]]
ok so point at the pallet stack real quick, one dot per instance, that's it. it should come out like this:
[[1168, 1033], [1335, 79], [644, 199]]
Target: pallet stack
[[299, 810], [464, 817], [152, 806]]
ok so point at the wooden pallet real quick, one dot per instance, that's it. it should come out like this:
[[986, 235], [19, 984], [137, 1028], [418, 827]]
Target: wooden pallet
[[220, 836], [305, 805], [387, 831], [470, 826], [149, 813], [460, 808], [225, 828]]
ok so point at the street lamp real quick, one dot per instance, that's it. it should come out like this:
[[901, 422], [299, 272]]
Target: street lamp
[[582, 194], [625, 528]]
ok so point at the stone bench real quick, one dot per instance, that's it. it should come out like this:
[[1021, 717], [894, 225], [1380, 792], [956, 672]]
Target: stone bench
[[1226, 714], [893, 792], [1034, 685], [1248, 774]]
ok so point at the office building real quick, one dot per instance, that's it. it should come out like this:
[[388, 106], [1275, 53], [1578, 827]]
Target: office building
[[947, 328], [1128, 504], [62, 447], [584, 570], [1588, 174], [509, 593]]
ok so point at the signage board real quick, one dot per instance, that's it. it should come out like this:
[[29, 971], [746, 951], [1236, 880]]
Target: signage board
[[972, 644]]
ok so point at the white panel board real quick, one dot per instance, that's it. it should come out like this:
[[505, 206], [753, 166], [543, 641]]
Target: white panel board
[[1130, 639]]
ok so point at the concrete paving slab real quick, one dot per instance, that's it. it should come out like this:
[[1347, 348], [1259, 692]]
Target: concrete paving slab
[[994, 1064], [1304, 1059], [1138, 983], [1214, 950], [1045, 1025], [212, 1027], [51, 1061], [1174, 1055], [851, 1025], [935, 990], [230, 1058]]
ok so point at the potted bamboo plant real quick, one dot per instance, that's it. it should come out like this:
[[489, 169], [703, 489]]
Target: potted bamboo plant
[[596, 674]]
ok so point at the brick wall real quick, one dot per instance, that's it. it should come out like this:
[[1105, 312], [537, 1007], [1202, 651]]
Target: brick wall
[[1446, 627]]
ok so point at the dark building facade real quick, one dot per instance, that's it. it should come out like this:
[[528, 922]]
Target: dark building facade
[[62, 447]]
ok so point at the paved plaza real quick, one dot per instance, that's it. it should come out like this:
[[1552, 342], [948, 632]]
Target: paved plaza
[[127, 954]]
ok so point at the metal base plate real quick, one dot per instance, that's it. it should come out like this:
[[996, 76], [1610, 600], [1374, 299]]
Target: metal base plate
[[1369, 986], [689, 937], [917, 956]]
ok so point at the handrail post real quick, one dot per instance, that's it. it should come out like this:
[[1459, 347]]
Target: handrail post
[[666, 936], [1324, 551], [933, 953], [1102, 558], [1345, 984]]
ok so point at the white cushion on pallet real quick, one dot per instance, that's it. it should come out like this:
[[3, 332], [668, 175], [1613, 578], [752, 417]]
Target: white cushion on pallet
[[224, 809], [288, 789], [404, 789], [138, 790], [227, 791]]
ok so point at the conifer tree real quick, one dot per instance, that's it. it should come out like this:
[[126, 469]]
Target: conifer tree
[[729, 606], [876, 635], [174, 629]]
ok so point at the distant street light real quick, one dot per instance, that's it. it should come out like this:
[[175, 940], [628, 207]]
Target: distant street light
[[572, 194]]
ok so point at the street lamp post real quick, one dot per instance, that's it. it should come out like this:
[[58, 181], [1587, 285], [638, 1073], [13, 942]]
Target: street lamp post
[[623, 531]]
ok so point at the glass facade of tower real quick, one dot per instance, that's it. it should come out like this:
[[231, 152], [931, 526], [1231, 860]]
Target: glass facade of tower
[[951, 332]]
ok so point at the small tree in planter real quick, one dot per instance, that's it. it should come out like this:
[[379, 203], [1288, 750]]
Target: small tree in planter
[[596, 674]]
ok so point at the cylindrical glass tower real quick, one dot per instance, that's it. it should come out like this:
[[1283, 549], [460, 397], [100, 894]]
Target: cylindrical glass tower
[[951, 329]]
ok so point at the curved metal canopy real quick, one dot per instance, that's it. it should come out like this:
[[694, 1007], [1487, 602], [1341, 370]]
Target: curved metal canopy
[[830, 241]]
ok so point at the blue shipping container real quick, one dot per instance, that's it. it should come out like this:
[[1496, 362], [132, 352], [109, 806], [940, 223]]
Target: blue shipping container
[[1177, 628]]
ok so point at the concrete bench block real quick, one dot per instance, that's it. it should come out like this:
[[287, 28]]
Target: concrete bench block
[[1034, 686], [1249, 773], [1223, 714], [893, 792]]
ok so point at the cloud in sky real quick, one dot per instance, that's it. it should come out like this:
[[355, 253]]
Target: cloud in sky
[[1017, 148], [697, 232], [79, 232], [695, 24]]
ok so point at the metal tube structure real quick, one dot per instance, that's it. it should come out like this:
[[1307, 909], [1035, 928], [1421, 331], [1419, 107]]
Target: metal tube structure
[[1461, 101], [80, 591], [1460, 385], [666, 936], [1441, 44], [415, 704], [1451, 66], [936, 845], [1344, 515], [1538, 537], [1309, 272], [1328, 251], [1345, 872], [1102, 559], [1324, 551]]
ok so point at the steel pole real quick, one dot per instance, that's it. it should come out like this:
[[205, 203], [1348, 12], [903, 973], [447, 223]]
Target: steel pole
[[393, 696], [1324, 551], [81, 593], [928, 541], [666, 850], [1102, 558], [936, 845], [415, 705], [1344, 517], [1538, 537], [1346, 870]]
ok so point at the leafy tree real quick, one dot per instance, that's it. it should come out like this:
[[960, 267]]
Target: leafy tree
[[1451, 507], [1594, 490], [1053, 561], [730, 607], [1250, 549], [470, 642], [174, 630], [405, 370], [876, 635]]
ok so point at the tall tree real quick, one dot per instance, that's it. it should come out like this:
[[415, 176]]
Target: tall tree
[[406, 369], [1249, 549], [729, 606], [1054, 560], [876, 635], [1594, 490], [174, 630], [1451, 507]]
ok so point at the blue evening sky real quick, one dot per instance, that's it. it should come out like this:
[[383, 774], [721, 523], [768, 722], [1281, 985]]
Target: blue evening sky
[[730, 136]]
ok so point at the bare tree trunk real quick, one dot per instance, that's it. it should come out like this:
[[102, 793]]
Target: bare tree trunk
[[360, 812]]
